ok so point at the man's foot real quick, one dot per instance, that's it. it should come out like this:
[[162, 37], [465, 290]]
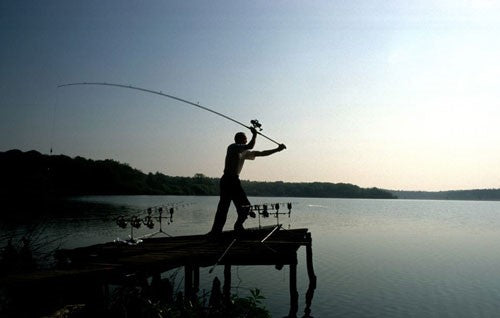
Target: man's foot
[[214, 235], [238, 228]]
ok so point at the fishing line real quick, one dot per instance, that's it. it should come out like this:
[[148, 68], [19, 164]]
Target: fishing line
[[55, 108], [53, 128], [255, 123]]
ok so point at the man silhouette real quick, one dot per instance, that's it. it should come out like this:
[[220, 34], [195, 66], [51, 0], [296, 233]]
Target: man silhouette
[[230, 185]]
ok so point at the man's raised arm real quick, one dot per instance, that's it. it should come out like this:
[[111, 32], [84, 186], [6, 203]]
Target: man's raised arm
[[251, 144]]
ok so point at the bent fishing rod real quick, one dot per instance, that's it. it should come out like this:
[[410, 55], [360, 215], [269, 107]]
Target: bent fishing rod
[[255, 123]]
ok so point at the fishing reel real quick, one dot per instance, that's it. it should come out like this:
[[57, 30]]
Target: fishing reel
[[169, 218], [148, 219], [121, 222], [255, 124], [135, 222]]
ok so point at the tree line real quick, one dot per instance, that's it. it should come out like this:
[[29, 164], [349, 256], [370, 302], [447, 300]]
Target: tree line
[[34, 175]]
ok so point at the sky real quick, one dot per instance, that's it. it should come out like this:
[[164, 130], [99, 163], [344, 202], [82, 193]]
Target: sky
[[399, 95]]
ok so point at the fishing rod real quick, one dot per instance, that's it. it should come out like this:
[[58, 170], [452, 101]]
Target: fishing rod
[[254, 123]]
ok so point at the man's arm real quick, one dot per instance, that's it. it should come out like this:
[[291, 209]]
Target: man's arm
[[269, 152], [251, 144]]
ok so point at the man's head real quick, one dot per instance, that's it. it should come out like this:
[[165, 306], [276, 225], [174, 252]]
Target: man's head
[[240, 138]]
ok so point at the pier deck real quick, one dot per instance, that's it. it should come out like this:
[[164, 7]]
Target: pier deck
[[112, 260], [166, 253], [115, 261]]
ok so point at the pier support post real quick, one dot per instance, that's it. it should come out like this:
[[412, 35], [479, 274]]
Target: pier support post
[[294, 294], [188, 282], [196, 280], [311, 275], [226, 289]]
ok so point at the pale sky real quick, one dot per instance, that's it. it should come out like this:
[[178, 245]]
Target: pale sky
[[375, 93]]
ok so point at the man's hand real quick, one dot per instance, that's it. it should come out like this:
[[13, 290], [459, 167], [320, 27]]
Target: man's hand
[[253, 130], [281, 147]]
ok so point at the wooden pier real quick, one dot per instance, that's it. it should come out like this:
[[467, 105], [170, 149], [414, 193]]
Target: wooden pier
[[113, 262]]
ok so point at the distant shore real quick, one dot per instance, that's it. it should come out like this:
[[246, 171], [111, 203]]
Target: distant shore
[[472, 195], [35, 175]]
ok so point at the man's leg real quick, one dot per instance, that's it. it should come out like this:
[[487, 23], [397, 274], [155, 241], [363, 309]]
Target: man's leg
[[222, 207], [242, 206]]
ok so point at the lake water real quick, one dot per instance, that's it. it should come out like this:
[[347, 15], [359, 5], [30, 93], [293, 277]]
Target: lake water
[[373, 258]]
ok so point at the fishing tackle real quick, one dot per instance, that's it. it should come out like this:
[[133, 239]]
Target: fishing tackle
[[135, 222], [161, 210], [254, 123], [266, 210]]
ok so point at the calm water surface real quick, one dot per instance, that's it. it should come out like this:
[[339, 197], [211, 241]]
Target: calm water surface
[[373, 258]]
